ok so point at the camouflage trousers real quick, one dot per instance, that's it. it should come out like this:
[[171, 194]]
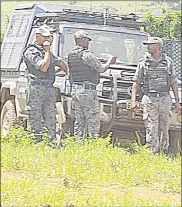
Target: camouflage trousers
[[41, 110], [87, 112], [156, 116]]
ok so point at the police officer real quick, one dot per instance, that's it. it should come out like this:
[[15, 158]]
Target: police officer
[[155, 73], [41, 64], [84, 70]]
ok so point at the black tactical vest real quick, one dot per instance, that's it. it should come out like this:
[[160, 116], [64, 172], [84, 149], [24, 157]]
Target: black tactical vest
[[80, 72], [156, 76], [33, 73]]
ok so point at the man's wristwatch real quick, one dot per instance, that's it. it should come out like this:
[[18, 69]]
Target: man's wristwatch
[[177, 99]]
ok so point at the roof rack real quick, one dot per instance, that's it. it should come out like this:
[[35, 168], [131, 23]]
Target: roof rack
[[90, 17]]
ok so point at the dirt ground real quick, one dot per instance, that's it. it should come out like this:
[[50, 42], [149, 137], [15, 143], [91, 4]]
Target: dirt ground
[[141, 192]]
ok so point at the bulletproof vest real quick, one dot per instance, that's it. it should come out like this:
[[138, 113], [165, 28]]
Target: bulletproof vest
[[80, 72], [156, 75], [33, 73]]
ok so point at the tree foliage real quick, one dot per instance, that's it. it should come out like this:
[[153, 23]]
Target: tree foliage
[[6, 22], [73, 2], [168, 26], [169, 2]]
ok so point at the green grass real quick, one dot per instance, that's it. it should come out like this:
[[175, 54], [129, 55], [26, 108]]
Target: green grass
[[88, 173]]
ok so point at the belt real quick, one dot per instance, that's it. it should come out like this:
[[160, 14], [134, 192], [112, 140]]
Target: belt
[[38, 83], [158, 94], [83, 86]]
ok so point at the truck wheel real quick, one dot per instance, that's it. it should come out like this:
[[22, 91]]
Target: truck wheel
[[8, 116], [174, 142]]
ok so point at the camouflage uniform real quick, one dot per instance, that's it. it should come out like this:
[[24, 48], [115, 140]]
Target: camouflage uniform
[[86, 111], [84, 94], [40, 92], [156, 77]]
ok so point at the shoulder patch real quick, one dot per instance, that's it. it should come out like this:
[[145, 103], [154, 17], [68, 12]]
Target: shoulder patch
[[33, 49], [87, 50], [29, 51]]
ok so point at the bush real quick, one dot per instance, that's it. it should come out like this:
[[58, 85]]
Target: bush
[[168, 26]]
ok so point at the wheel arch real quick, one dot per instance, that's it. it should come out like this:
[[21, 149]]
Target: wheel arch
[[6, 95]]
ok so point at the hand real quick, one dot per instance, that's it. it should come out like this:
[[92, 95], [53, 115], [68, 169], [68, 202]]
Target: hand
[[177, 107], [46, 45], [113, 59], [133, 104]]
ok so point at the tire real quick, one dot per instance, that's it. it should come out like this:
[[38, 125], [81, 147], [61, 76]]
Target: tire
[[8, 116], [174, 142]]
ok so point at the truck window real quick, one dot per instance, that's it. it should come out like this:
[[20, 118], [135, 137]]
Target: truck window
[[127, 47]]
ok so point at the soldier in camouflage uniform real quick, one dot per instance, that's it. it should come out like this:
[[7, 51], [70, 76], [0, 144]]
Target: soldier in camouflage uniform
[[84, 71], [41, 64], [155, 73]]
